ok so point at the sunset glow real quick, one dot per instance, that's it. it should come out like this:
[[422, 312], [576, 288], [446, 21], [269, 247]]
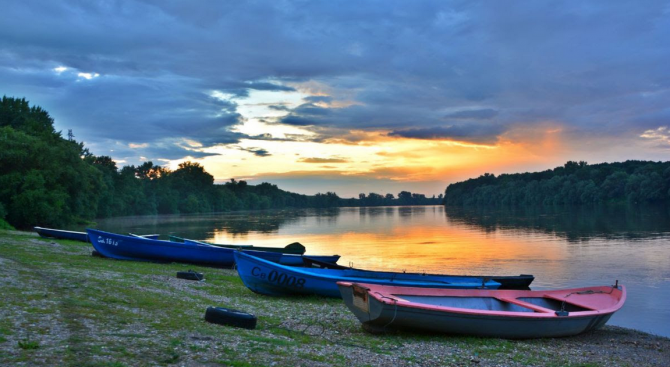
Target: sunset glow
[[363, 239], [378, 156]]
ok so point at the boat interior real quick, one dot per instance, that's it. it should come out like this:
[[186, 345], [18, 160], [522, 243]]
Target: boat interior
[[521, 304]]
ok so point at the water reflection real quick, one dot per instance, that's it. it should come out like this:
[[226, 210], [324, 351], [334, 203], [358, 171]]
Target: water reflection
[[409, 211], [202, 225], [572, 223]]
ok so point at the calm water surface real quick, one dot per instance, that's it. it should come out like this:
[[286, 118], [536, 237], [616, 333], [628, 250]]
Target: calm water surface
[[562, 248]]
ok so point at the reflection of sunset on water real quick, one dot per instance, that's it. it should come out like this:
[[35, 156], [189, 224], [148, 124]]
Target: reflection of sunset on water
[[421, 239]]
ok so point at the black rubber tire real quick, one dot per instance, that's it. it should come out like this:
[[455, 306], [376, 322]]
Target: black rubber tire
[[190, 275], [230, 317], [95, 253]]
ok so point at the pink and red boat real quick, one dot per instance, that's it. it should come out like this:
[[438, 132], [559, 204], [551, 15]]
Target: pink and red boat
[[512, 314]]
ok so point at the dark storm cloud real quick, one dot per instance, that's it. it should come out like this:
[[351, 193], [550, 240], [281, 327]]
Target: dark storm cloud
[[287, 137], [297, 121], [481, 114], [316, 99], [279, 108], [660, 118], [268, 87], [398, 66], [476, 133], [156, 152], [241, 90], [259, 152], [171, 152], [361, 117]]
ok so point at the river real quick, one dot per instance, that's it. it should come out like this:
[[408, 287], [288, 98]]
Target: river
[[565, 247]]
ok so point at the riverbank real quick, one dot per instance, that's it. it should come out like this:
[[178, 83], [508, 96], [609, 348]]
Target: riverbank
[[61, 306]]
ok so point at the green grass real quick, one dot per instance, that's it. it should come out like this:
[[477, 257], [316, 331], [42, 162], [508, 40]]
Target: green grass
[[28, 344], [4, 225]]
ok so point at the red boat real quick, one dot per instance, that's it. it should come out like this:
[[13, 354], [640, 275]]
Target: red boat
[[512, 314]]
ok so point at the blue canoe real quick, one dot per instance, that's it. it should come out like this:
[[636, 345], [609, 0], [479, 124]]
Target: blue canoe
[[273, 279], [285, 259], [122, 247], [61, 234]]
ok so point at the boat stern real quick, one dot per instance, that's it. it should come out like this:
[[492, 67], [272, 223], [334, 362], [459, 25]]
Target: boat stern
[[357, 299]]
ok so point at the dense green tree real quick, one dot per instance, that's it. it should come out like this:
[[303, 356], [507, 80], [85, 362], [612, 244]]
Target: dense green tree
[[575, 183], [17, 114], [404, 197], [44, 179]]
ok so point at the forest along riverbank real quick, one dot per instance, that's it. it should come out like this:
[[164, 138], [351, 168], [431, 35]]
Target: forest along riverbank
[[61, 306]]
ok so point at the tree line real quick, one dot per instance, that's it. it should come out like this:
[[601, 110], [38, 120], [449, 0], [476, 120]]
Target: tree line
[[573, 183], [47, 180], [404, 198]]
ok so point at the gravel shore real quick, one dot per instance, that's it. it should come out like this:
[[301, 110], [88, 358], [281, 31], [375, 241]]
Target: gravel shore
[[61, 306]]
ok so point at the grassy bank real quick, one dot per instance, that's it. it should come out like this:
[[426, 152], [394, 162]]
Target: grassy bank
[[61, 306]]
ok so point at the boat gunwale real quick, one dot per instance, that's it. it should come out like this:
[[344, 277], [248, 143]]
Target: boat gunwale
[[521, 281], [320, 256], [37, 229], [283, 250]]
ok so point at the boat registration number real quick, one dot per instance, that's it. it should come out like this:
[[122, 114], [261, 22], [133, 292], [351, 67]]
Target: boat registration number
[[279, 278], [108, 241]]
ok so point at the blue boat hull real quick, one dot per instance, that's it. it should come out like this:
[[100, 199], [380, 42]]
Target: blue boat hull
[[122, 247], [61, 234], [269, 278]]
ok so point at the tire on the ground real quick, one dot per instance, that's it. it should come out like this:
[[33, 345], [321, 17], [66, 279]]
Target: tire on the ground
[[190, 275], [230, 317]]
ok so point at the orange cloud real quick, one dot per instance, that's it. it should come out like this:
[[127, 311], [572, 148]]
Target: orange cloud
[[382, 159]]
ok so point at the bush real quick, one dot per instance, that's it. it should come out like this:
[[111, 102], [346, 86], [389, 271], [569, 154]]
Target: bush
[[3, 214]]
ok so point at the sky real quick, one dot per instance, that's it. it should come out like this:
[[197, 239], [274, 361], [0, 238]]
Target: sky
[[347, 96]]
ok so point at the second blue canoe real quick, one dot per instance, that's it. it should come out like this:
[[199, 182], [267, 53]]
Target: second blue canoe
[[117, 246], [273, 279], [61, 234]]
